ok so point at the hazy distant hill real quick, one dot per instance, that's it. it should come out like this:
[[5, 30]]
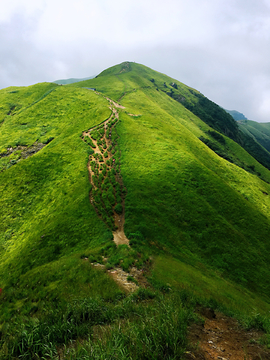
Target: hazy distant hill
[[236, 115], [71, 80], [125, 211]]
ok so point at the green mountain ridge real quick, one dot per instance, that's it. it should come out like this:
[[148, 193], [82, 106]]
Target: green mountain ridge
[[236, 115], [71, 80], [260, 132], [196, 192]]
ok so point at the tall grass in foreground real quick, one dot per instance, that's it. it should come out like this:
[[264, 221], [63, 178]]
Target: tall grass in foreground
[[152, 328], [143, 325], [157, 331]]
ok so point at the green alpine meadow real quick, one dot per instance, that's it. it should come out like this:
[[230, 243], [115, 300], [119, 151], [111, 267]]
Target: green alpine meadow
[[128, 202]]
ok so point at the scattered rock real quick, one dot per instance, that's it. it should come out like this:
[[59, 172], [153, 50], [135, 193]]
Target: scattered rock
[[120, 276]]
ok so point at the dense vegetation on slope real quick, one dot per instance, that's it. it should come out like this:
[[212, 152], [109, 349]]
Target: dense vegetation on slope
[[196, 214], [46, 210], [258, 131], [213, 115], [220, 120]]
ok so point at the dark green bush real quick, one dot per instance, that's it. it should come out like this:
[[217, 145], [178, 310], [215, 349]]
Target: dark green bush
[[217, 136], [49, 140], [143, 294], [118, 209]]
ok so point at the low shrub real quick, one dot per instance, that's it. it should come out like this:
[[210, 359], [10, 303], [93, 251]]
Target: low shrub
[[49, 140], [118, 209]]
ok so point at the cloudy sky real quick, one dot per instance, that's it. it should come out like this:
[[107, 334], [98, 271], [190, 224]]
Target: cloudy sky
[[219, 47]]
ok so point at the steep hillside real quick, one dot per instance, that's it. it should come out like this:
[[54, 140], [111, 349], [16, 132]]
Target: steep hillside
[[258, 131], [191, 99], [161, 148], [151, 159]]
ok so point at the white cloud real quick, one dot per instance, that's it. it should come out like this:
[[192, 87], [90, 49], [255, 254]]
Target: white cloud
[[219, 47], [28, 8]]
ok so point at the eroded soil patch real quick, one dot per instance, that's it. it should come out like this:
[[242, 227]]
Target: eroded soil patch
[[222, 338], [123, 278], [108, 193], [129, 281], [18, 153]]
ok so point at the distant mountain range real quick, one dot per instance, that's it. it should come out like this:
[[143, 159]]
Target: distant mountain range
[[236, 115], [71, 80]]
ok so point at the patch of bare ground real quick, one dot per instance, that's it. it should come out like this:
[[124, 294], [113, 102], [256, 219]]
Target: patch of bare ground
[[222, 338], [129, 281], [135, 115], [26, 151], [121, 277], [115, 104], [119, 236]]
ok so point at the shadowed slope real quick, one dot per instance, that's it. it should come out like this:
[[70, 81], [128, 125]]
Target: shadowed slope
[[181, 196]]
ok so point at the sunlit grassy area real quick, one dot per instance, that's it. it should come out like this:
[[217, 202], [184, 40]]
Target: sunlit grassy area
[[45, 197], [196, 214]]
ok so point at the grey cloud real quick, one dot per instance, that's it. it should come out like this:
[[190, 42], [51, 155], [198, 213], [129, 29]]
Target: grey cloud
[[20, 62]]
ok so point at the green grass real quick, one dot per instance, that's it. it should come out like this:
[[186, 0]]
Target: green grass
[[199, 224], [143, 326], [156, 332], [45, 197], [198, 210], [260, 131], [206, 287]]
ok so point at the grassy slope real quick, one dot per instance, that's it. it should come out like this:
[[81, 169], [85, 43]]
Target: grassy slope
[[46, 210], [197, 213], [259, 131], [182, 197]]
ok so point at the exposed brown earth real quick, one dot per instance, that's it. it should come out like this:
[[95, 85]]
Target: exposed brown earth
[[222, 338], [123, 278], [119, 219], [119, 235], [135, 115]]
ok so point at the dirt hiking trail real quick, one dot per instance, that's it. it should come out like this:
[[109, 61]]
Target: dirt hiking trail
[[101, 163], [222, 338], [128, 281]]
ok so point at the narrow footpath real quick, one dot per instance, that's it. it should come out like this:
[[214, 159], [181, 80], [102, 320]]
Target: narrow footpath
[[107, 194], [222, 338]]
